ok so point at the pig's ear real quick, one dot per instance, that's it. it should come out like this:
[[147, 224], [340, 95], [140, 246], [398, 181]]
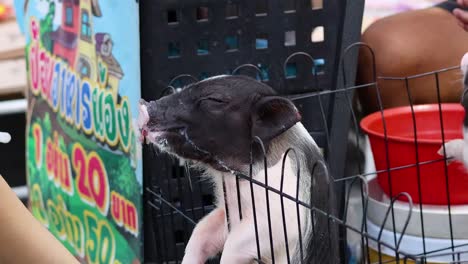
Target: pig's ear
[[271, 116]]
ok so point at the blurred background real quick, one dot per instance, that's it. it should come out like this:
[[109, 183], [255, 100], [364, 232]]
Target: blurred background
[[375, 9]]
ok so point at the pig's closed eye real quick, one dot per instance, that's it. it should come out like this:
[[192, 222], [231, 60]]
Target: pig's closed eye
[[217, 100], [212, 101]]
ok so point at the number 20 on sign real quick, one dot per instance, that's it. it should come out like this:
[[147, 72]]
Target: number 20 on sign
[[91, 178]]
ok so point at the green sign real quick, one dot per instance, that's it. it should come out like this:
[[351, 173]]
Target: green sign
[[83, 157]]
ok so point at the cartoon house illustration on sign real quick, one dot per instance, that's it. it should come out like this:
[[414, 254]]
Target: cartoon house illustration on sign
[[73, 40], [89, 55], [108, 66]]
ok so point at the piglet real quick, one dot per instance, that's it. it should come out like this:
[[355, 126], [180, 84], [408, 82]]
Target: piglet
[[213, 124], [458, 148]]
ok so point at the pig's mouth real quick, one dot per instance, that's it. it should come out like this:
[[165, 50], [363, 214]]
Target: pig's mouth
[[161, 137], [173, 139]]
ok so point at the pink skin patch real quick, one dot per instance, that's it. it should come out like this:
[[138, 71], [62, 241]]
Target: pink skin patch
[[143, 118], [207, 239]]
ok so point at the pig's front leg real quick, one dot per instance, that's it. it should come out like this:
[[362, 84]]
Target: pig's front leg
[[241, 245], [207, 238]]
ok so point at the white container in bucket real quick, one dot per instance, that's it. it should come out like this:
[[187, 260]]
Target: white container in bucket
[[436, 218], [413, 245]]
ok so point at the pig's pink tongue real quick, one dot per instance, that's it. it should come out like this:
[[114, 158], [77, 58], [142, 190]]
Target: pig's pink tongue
[[143, 135]]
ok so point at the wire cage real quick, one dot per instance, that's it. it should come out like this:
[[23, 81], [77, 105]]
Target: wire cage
[[402, 225], [295, 46]]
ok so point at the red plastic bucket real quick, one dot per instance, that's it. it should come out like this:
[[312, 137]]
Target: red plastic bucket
[[402, 152]]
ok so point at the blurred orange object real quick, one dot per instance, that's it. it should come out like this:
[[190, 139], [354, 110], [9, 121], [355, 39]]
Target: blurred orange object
[[5, 12]]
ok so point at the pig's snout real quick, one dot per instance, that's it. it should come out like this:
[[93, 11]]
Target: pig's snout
[[143, 118]]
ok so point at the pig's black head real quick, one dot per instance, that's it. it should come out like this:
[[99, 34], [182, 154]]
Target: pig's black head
[[214, 121]]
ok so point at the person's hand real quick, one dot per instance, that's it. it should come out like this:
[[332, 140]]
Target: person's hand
[[462, 15]]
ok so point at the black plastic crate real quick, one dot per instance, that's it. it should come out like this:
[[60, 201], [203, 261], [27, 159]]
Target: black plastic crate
[[183, 40]]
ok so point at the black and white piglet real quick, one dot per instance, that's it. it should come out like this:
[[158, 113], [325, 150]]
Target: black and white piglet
[[458, 148], [212, 124]]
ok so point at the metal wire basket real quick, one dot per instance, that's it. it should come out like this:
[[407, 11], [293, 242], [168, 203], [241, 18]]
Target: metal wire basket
[[388, 237]]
